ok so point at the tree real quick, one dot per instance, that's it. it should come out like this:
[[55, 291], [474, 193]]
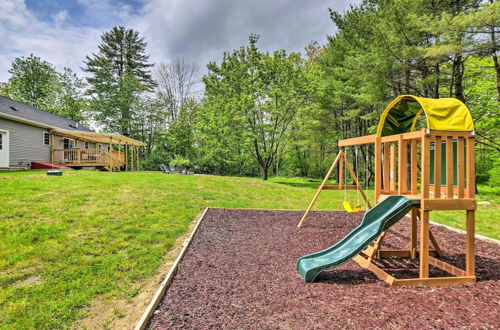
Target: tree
[[119, 73], [255, 95], [32, 81], [36, 82], [175, 85]]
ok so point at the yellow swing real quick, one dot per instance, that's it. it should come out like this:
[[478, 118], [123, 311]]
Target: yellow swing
[[345, 203]]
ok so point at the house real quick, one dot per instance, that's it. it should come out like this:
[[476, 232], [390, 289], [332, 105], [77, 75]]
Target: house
[[34, 138]]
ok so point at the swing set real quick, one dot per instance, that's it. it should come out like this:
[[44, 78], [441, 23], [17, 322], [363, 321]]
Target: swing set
[[432, 168]]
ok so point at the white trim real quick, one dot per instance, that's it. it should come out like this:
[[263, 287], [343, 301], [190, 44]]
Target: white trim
[[5, 151], [43, 140], [25, 121]]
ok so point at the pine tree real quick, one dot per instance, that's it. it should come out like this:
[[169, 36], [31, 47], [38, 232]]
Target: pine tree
[[120, 72]]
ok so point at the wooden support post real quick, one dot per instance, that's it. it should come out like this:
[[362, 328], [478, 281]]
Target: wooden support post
[[470, 264], [425, 166], [392, 168], [126, 157], [378, 169], [119, 153], [51, 147], [424, 215], [471, 168], [424, 244], [386, 167], [460, 167], [413, 233], [341, 171], [138, 156], [437, 167], [471, 193], [403, 162], [449, 167], [109, 156], [414, 168], [320, 188], [349, 167]]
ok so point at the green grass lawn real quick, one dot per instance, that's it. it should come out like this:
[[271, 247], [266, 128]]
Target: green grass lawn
[[65, 241]]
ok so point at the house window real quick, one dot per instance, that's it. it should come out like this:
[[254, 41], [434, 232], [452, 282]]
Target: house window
[[1, 141], [100, 146], [46, 138], [68, 143], [86, 145]]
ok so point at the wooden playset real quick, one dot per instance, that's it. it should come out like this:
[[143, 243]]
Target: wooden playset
[[435, 164]]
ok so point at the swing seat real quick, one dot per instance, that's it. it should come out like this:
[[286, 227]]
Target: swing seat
[[350, 209]]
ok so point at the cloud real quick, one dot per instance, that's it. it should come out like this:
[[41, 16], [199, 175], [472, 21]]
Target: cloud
[[200, 31], [197, 31], [22, 33]]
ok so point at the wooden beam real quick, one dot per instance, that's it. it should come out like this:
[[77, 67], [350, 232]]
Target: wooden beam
[[378, 169], [449, 167], [460, 166], [434, 281], [413, 233], [425, 167], [320, 188], [392, 168], [448, 204], [446, 267], [126, 157], [367, 139], [470, 263], [381, 274], [341, 171], [435, 244], [437, 167], [348, 164], [471, 168], [336, 187], [402, 166], [424, 244], [414, 168], [386, 165], [435, 132]]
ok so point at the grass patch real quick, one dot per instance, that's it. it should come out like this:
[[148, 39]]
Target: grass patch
[[65, 241]]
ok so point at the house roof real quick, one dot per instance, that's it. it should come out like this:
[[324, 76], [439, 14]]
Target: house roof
[[24, 113], [38, 117]]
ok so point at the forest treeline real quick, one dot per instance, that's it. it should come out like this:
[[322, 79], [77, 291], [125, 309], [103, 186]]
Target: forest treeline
[[278, 113]]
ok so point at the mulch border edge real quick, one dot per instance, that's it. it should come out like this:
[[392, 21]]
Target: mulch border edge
[[146, 316], [155, 301]]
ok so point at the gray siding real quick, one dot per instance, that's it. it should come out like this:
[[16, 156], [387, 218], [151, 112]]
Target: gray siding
[[26, 143]]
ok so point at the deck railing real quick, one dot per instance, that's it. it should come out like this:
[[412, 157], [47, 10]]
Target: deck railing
[[87, 157]]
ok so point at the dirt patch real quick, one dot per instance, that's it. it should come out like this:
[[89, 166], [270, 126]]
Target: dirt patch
[[239, 272], [125, 313]]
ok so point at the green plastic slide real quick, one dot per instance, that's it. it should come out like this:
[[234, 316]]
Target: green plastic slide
[[374, 222]]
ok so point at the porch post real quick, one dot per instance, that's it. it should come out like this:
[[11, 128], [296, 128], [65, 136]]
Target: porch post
[[126, 156], [119, 153], [138, 156], [109, 156], [52, 147]]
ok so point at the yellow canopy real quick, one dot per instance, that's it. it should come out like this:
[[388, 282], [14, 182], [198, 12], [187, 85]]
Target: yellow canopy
[[447, 114]]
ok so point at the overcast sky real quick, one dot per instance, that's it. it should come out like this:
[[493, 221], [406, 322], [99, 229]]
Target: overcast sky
[[64, 31]]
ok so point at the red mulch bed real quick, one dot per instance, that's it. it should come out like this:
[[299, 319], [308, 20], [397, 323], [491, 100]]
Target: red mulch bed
[[239, 272]]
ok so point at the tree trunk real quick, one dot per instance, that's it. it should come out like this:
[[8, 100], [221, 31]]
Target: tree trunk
[[458, 74], [265, 171], [495, 58]]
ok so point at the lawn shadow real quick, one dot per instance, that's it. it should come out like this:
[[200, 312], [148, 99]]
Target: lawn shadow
[[311, 185]]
